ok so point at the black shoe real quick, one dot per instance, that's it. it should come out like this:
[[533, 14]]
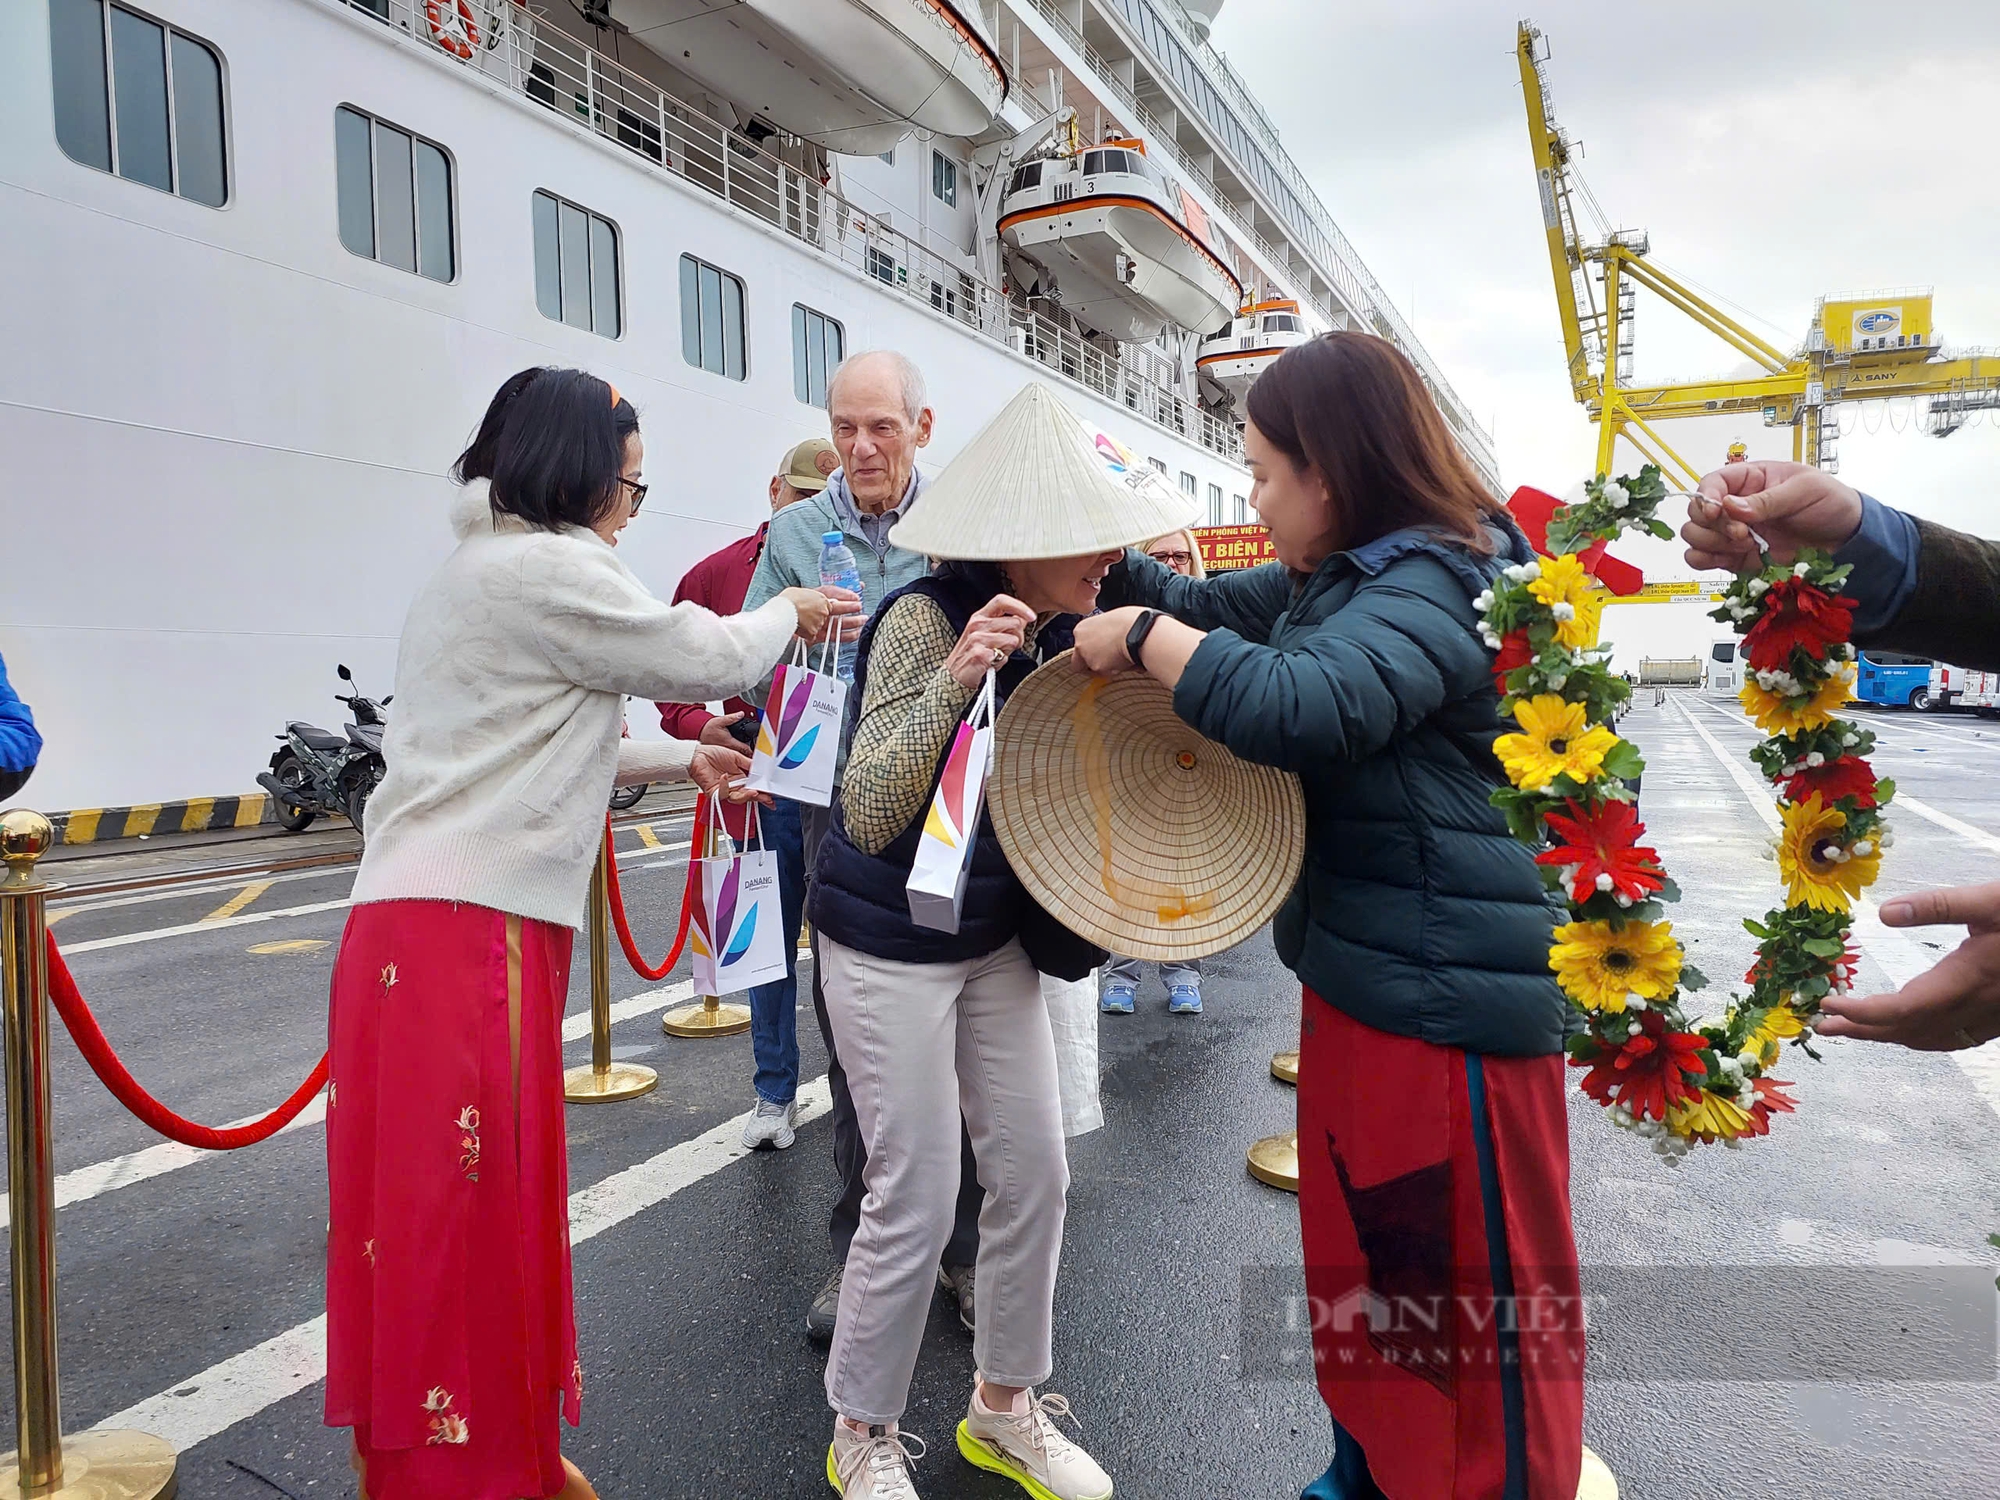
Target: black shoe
[[825, 1308], [957, 1280]]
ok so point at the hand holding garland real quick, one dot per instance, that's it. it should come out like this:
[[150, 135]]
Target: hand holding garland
[[1659, 1072]]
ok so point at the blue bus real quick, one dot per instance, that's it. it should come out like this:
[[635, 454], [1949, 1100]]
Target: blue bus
[[1891, 680]]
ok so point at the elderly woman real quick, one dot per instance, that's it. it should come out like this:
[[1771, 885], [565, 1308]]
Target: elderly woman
[[451, 1339], [929, 1022], [1433, 1139]]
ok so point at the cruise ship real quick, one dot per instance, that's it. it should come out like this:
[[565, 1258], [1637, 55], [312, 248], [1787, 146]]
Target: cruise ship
[[266, 261]]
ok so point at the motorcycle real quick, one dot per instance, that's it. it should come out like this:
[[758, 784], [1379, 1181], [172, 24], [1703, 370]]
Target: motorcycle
[[317, 771]]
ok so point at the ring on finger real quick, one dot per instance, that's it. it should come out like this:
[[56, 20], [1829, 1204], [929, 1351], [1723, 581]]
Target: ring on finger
[[999, 655]]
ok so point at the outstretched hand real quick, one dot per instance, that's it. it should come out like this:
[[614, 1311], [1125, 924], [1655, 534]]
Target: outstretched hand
[[1951, 1006], [1791, 506]]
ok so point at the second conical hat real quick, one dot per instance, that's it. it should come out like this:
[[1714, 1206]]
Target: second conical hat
[[1039, 482]]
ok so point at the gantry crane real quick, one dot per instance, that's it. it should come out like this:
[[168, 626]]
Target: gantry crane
[[1867, 348]]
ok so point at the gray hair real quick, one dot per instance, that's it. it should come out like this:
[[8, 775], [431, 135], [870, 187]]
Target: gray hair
[[908, 376]]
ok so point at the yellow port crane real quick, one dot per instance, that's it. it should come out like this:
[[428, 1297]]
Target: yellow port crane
[[1865, 348]]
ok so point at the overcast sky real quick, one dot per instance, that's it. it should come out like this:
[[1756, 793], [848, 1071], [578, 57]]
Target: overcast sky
[[1777, 151]]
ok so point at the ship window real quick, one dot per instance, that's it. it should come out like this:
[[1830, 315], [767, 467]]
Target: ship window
[[1280, 323], [890, 156], [944, 179], [1242, 511], [394, 193], [1026, 177], [576, 266], [882, 265], [712, 336], [1158, 463], [1095, 162], [819, 344], [138, 99], [1215, 505]]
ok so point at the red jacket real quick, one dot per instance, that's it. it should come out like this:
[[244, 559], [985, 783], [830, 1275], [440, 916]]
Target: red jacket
[[718, 582]]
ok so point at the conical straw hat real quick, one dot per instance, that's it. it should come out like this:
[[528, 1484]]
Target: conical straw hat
[[1038, 482], [1138, 833]]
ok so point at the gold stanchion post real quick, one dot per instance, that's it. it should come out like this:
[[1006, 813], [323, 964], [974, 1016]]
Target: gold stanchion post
[[1274, 1160], [603, 1080], [99, 1465]]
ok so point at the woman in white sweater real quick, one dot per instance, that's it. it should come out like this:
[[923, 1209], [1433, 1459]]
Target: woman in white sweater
[[451, 1343]]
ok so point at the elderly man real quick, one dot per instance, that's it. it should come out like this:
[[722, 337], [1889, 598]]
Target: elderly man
[[718, 583], [1918, 587], [880, 418]]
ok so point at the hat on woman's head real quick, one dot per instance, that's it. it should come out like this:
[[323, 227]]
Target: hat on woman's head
[[1039, 482]]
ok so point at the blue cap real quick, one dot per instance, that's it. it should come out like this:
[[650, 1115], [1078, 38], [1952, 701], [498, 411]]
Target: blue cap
[[832, 538]]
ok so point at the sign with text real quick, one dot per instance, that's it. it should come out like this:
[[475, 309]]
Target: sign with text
[[1225, 548]]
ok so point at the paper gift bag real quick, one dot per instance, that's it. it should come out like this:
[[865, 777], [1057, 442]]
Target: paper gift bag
[[736, 928], [798, 734], [936, 886]]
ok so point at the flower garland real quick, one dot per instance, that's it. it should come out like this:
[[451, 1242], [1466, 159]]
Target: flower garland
[[1668, 1077]]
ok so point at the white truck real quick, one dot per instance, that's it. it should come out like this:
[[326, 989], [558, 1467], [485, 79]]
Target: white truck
[[1722, 672], [1956, 687]]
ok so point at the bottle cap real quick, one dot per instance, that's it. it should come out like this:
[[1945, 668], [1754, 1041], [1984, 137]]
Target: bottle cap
[[832, 538]]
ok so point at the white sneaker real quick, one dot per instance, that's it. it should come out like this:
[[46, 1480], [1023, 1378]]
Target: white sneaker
[[1026, 1446], [771, 1125], [872, 1465]]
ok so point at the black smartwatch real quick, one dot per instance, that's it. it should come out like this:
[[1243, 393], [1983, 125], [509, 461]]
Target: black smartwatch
[[1136, 636]]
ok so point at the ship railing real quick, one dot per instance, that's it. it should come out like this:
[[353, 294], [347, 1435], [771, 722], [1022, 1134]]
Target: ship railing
[[1337, 256], [568, 76]]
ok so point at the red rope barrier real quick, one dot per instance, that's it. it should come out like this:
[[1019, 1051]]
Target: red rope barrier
[[617, 903], [97, 1051]]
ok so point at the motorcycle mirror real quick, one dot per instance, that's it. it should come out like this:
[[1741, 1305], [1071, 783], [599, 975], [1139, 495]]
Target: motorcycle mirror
[[345, 675]]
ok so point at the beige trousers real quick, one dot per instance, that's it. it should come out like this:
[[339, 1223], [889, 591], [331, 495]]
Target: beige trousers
[[921, 1044]]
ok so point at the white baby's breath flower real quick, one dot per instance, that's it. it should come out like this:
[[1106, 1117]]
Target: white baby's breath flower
[[1563, 611], [1757, 587], [1530, 571], [1799, 570]]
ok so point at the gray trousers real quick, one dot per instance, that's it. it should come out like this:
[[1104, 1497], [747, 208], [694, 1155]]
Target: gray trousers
[[1119, 970], [923, 1043]]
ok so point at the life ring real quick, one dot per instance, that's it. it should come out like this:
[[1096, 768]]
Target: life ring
[[453, 26]]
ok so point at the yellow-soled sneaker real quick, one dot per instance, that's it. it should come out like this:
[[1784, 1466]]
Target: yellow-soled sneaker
[[1026, 1446], [872, 1465]]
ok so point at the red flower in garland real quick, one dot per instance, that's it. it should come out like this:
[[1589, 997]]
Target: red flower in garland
[[1797, 614], [1603, 841], [1646, 1072], [1770, 1098], [1850, 776], [1514, 652]]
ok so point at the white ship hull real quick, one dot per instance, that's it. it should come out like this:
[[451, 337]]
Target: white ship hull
[[852, 75], [226, 435]]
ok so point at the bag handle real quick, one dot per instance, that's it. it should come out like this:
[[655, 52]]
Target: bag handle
[[827, 656], [715, 834], [982, 709]]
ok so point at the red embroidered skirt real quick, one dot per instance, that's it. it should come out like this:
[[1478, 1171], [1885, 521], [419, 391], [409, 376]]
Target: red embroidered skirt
[[451, 1339], [1440, 1264]]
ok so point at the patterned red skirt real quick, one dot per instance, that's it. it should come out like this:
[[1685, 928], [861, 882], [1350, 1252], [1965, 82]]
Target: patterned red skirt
[[451, 1339], [1448, 1327]]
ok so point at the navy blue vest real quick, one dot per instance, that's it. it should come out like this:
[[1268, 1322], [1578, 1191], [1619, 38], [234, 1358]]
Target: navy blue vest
[[858, 899]]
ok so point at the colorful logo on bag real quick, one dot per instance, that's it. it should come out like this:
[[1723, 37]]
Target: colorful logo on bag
[[946, 822], [1116, 458], [1126, 468], [789, 707], [702, 928]]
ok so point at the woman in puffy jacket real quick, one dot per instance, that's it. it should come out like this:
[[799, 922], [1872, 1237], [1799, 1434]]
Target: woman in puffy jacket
[[1433, 1147]]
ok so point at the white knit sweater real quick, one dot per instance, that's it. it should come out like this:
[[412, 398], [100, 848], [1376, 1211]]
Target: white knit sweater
[[504, 739]]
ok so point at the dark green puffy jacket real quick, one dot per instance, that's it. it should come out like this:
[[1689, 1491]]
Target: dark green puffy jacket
[[1417, 912]]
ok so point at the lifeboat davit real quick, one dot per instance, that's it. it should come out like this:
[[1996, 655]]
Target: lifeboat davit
[[853, 76], [1236, 356], [1129, 252]]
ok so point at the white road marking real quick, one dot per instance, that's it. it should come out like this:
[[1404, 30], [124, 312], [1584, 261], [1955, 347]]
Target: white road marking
[[216, 924], [1901, 956], [193, 1410]]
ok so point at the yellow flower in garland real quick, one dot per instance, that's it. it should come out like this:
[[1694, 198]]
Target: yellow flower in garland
[[1563, 581], [1711, 1118], [1780, 1024], [1770, 713], [1598, 967], [1556, 739], [1819, 868]]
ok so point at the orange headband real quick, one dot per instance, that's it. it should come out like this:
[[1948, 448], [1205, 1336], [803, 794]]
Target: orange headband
[[615, 397]]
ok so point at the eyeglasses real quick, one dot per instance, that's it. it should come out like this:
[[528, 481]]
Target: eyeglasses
[[638, 492], [1178, 561]]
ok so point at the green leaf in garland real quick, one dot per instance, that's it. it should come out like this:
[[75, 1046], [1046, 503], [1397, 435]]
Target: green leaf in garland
[[1624, 761], [1692, 978], [1823, 947]]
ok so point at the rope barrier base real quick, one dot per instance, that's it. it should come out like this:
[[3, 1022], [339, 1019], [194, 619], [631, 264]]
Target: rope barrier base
[[113, 1465], [708, 1016], [1274, 1161], [585, 1085]]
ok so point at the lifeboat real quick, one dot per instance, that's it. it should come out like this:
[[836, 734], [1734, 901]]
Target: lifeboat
[[1250, 345], [854, 76], [1125, 248]]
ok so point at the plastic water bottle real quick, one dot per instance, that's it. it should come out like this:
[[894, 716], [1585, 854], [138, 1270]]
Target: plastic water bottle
[[838, 569]]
